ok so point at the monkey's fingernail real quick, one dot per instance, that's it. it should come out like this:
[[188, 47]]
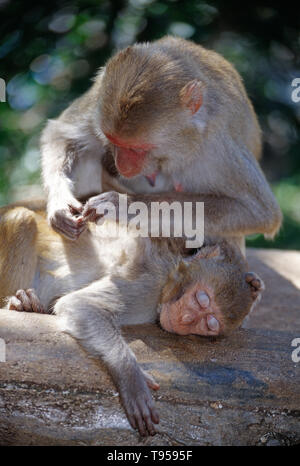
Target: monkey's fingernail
[[75, 210], [79, 220], [212, 323], [187, 319], [202, 298], [86, 212]]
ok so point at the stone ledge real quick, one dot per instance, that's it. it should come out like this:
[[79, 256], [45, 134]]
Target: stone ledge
[[243, 390]]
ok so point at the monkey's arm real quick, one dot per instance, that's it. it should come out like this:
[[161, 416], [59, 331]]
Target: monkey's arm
[[237, 198], [57, 164], [257, 213], [240, 202], [228, 215], [91, 316], [71, 163], [233, 217]]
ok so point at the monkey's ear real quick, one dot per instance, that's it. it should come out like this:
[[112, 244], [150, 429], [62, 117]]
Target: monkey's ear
[[191, 95]]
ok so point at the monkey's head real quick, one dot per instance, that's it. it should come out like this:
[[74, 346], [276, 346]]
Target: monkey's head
[[147, 102], [208, 294]]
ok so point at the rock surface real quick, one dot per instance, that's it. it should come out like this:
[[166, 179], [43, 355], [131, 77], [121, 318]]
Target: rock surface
[[243, 390]]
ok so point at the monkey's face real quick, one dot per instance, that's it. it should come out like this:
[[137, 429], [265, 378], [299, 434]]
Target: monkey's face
[[158, 150], [147, 101], [207, 295], [195, 312]]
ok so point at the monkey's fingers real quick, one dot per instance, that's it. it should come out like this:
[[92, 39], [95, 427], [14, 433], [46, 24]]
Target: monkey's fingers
[[141, 411], [75, 209], [90, 215], [15, 304], [62, 218], [151, 382], [145, 414], [103, 205], [26, 301], [131, 420], [257, 286], [140, 424], [148, 422], [144, 422], [135, 417], [153, 412], [67, 225], [36, 304]]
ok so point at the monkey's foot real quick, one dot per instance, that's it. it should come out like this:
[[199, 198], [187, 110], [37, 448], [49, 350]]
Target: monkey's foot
[[256, 284], [195, 312], [26, 301]]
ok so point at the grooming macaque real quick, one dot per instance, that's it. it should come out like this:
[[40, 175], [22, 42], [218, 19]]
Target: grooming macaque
[[162, 117], [103, 282]]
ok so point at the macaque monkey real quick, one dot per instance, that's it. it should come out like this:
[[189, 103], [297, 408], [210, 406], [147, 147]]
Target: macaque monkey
[[173, 121], [103, 282]]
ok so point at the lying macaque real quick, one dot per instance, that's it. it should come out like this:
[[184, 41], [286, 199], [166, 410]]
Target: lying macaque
[[103, 282]]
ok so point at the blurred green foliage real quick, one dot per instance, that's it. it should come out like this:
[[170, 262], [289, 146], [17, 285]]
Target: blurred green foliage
[[49, 53]]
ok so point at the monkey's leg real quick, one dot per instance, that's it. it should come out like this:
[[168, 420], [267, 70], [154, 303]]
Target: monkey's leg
[[91, 316], [18, 257], [26, 301]]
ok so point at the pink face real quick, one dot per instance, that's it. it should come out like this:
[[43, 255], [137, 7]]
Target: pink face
[[130, 155], [195, 312]]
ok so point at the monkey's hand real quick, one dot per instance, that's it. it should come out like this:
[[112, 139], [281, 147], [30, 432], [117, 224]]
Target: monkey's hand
[[26, 301], [67, 220], [104, 205], [138, 402]]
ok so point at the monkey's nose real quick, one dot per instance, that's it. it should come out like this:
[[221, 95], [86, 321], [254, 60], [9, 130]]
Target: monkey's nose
[[202, 298], [212, 323], [187, 318]]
